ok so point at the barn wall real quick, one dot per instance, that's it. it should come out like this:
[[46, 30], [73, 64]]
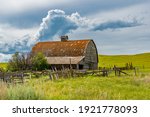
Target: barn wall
[[91, 56]]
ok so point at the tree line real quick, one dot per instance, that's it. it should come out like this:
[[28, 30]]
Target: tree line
[[27, 61]]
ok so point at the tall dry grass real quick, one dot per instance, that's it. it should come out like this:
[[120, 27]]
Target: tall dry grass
[[18, 92], [3, 91], [89, 87], [23, 92]]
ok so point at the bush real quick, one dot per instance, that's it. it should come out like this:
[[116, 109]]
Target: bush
[[39, 62], [20, 61], [27, 61]]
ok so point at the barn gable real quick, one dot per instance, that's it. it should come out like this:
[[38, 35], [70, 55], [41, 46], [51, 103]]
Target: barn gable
[[81, 54]]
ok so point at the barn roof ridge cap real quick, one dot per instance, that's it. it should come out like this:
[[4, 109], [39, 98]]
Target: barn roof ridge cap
[[64, 41]]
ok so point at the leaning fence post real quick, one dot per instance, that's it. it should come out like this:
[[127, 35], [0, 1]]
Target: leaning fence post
[[50, 75], [56, 73]]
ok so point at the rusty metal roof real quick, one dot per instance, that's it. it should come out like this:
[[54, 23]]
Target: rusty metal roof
[[62, 48], [64, 60]]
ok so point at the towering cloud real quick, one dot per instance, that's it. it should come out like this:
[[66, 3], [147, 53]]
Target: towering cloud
[[58, 23]]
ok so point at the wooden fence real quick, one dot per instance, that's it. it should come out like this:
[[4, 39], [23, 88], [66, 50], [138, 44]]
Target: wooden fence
[[54, 74], [13, 77], [105, 72]]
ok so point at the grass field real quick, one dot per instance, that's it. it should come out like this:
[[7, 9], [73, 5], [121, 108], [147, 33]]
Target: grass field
[[80, 88], [3, 65], [88, 87], [139, 60]]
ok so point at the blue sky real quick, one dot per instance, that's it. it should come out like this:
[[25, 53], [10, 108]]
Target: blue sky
[[116, 26]]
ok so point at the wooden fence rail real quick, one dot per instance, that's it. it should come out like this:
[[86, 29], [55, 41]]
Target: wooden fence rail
[[17, 77], [54, 74]]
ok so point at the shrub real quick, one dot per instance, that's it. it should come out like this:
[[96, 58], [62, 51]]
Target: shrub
[[39, 62], [27, 61], [20, 61]]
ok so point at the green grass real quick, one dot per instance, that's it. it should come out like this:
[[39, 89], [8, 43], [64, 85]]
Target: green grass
[[3, 65], [88, 87], [96, 88], [82, 88], [139, 60]]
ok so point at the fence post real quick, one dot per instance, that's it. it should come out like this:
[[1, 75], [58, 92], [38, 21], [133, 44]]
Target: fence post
[[50, 75], [135, 71], [115, 70]]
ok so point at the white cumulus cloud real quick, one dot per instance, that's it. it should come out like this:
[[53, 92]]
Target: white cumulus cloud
[[57, 23]]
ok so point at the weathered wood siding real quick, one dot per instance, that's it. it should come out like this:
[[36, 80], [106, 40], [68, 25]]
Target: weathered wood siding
[[91, 56]]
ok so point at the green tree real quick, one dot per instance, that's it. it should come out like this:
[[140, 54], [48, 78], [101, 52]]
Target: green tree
[[27, 61], [39, 62], [20, 61], [13, 63]]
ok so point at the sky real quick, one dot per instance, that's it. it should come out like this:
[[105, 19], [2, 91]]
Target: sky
[[116, 26]]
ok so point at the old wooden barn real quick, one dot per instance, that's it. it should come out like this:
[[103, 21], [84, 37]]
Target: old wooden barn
[[78, 54]]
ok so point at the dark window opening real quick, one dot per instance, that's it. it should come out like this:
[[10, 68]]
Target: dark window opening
[[80, 66]]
